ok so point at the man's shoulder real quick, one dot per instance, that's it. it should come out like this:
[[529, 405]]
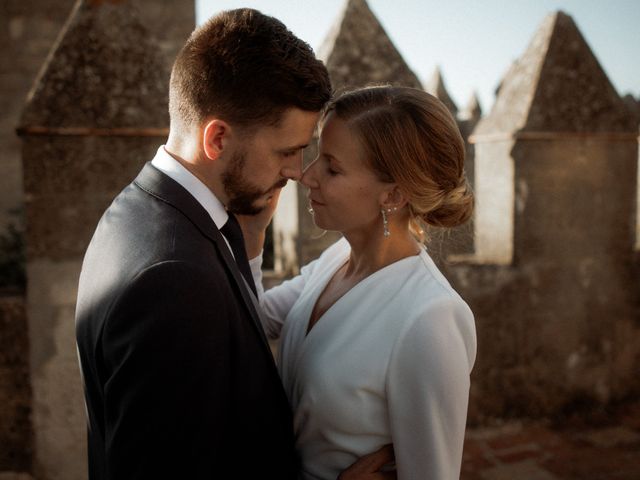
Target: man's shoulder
[[139, 230], [139, 215]]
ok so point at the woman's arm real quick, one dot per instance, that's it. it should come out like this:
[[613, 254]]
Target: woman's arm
[[276, 302], [254, 227], [428, 391]]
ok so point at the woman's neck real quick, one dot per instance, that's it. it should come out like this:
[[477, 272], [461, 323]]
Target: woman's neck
[[371, 252]]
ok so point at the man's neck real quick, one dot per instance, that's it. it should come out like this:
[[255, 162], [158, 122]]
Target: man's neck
[[189, 159], [182, 146]]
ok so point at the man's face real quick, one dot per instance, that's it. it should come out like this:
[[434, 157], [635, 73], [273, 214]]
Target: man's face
[[261, 163]]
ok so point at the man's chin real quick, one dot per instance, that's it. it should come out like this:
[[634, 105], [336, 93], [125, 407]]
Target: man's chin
[[245, 210], [254, 205]]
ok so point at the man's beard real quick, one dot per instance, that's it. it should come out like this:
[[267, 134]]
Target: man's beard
[[241, 194]]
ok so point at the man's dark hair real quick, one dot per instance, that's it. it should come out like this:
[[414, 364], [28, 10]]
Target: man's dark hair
[[247, 68]]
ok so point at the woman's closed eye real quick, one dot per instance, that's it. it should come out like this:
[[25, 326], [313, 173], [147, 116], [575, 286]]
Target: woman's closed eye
[[332, 168]]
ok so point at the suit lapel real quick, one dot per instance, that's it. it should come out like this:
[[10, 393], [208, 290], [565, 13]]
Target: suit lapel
[[156, 183]]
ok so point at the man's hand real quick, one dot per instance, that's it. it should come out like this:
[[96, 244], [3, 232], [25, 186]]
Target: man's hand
[[368, 467], [254, 226]]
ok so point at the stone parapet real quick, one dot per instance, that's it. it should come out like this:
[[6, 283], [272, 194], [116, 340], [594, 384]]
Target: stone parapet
[[96, 114], [16, 434]]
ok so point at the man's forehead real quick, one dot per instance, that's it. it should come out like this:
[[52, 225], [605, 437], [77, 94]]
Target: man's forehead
[[294, 129]]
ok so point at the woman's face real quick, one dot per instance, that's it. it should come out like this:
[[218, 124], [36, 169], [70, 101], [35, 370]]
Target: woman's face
[[344, 192]]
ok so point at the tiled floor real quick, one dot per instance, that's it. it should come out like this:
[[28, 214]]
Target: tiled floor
[[575, 450], [607, 448]]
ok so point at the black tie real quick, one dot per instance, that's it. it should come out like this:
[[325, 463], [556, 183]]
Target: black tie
[[232, 232]]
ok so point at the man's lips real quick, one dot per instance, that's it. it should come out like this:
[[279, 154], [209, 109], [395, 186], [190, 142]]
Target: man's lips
[[281, 184], [315, 202]]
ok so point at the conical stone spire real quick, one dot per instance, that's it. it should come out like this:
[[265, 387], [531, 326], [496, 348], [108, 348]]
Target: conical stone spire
[[472, 111], [633, 105], [104, 72], [557, 85], [358, 51], [437, 88]]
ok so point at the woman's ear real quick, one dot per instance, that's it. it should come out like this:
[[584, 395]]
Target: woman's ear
[[393, 198], [214, 138]]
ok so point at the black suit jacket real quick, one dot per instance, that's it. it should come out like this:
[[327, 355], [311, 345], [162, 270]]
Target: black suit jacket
[[179, 379]]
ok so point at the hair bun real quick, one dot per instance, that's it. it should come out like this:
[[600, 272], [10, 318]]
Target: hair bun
[[455, 209]]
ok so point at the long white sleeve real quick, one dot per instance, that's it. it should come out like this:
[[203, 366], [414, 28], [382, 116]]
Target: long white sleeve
[[277, 301], [428, 391]]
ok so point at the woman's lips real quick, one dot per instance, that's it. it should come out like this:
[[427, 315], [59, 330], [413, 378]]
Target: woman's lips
[[315, 203]]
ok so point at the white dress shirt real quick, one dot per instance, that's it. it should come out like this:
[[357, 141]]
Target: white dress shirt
[[168, 165]]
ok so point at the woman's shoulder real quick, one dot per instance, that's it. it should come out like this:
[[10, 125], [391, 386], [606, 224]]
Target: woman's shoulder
[[431, 286], [434, 305]]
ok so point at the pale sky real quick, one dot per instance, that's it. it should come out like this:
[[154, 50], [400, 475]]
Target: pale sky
[[473, 41]]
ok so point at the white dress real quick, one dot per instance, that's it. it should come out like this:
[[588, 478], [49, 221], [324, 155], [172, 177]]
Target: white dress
[[389, 362]]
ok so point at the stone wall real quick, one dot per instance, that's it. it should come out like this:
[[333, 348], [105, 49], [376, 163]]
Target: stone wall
[[97, 113], [28, 28], [553, 279], [15, 388], [559, 326]]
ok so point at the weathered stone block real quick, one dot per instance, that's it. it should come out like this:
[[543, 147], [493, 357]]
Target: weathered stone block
[[58, 405], [358, 51], [70, 181], [15, 389]]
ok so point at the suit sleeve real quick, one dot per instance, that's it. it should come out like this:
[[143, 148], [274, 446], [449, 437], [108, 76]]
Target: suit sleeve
[[428, 391], [167, 390]]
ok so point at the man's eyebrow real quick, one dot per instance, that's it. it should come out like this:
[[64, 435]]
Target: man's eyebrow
[[294, 148]]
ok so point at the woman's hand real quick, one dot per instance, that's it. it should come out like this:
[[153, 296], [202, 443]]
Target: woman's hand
[[254, 227]]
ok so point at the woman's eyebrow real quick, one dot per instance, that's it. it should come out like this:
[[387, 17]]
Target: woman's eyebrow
[[330, 156]]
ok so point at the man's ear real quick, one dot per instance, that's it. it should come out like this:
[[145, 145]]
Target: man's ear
[[214, 138]]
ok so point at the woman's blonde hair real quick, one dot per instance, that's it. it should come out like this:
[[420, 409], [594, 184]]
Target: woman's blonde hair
[[411, 139]]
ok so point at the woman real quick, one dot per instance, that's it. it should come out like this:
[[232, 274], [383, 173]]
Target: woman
[[376, 347]]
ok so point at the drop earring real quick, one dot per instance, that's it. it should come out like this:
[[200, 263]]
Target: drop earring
[[385, 221], [385, 224]]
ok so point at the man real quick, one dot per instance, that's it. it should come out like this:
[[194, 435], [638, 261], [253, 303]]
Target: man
[[179, 379]]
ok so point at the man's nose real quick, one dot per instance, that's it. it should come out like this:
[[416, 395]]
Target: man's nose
[[293, 170]]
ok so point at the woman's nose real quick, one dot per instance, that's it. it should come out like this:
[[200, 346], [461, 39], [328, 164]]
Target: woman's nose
[[309, 178]]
